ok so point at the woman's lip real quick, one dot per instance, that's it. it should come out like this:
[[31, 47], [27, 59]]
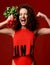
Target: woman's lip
[[23, 20]]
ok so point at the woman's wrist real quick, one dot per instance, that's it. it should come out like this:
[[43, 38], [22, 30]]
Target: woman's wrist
[[6, 21]]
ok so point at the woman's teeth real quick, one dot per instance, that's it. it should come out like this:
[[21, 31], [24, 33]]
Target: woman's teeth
[[23, 20]]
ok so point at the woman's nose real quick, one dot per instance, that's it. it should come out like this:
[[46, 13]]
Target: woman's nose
[[23, 16]]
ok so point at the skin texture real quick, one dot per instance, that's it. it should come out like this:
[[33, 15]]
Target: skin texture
[[23, 16]]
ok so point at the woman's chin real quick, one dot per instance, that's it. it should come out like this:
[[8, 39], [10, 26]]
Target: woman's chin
[[23, 24]]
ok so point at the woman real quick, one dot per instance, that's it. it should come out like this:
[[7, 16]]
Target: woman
[[23, 34]]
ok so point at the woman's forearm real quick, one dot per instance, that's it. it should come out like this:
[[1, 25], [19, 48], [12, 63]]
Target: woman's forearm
[[10, 18], [47, 19], [3, 23], [40, 14]]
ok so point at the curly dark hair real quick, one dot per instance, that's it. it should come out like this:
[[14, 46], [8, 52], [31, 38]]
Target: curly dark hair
[[32, 21]]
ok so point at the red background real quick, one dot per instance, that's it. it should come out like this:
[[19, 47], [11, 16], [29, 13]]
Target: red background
[[42, 44]]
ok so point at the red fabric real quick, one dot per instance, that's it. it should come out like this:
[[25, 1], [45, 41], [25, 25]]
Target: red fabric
[[23, 37], [23, 60]]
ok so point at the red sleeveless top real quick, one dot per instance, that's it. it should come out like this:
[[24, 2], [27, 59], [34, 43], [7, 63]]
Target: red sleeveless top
[[24, 39]]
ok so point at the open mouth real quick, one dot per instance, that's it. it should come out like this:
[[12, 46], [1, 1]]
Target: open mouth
[[23, 20]]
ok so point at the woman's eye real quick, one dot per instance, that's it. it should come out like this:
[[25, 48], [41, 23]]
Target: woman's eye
[[26, 14], [20, 14], [23, 14]]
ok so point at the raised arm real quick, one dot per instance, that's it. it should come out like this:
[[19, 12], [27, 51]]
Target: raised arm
[[43, 31], [8, 31], [10, 18], [44, 16]]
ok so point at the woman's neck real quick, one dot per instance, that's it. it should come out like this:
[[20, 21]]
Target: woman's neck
[[23, 27]]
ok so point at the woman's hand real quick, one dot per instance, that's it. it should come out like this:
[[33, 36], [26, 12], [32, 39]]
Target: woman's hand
[[40, 14], [44, 16], [11, 18], [10, 21], [33, 63], [13, 63]]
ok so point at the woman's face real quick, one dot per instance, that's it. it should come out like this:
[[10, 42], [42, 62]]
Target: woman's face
[[23, 16]]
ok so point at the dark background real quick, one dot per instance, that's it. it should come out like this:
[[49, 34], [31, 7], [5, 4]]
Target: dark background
[[42, 44]]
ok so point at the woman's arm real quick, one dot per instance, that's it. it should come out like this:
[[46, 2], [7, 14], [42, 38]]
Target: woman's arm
[[33, 63], [13, 63], [7, 31], [10, 18], [43, 31], [44, 16], [3, 23]]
